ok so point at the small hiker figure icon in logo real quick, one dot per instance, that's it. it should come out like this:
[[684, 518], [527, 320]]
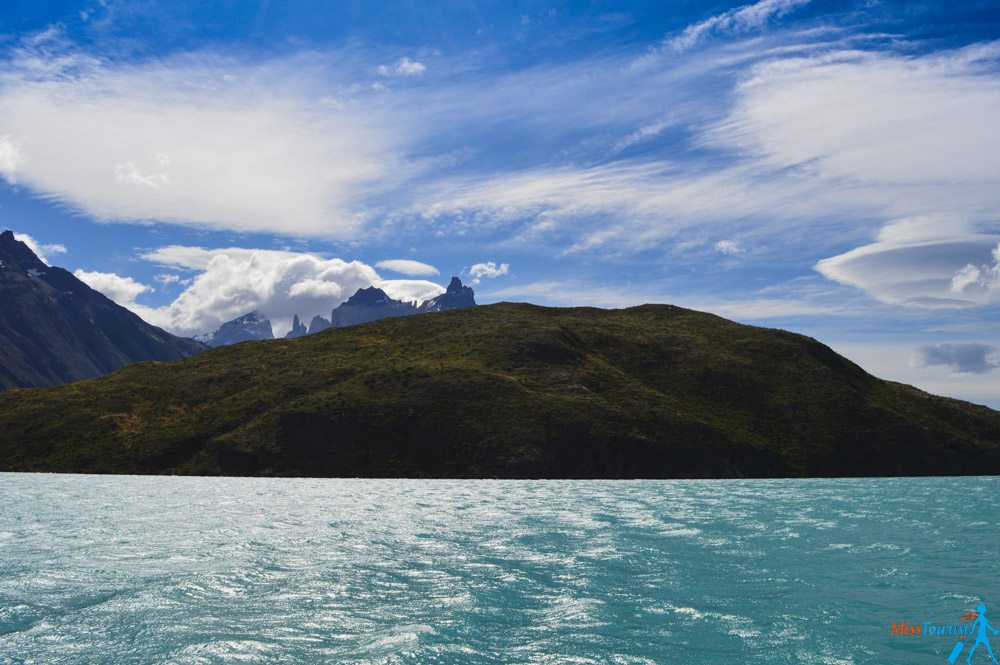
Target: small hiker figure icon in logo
[[978, 629]]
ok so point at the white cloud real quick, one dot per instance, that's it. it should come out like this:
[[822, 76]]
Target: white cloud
[[738, 20], [964, 278], [10, 158], [123, 290], [316, 288], [195, 140], [728, 247], [407, 267], [403, 67], [488, 269], [167, 279], [982, 282], [280, 284], [41, 250]]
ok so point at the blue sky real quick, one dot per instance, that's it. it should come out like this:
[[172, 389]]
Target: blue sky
[[828, 167]]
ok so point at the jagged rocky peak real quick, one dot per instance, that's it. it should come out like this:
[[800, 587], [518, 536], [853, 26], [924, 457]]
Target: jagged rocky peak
[[317, 324], [367, 304], [298, 329], [15, 254], [456, 296], [370, 297], [370, 304], [249, 327], [253, 318]]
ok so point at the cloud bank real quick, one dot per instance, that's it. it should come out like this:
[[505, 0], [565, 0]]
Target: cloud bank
[[231, 282]]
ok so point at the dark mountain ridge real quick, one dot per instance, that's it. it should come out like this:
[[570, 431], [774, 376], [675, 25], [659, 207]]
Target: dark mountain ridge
[[54, 328], [506, 390]]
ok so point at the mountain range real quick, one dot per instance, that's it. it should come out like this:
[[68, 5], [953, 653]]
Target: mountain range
[[366, 305], [54, 328], [505, 390]]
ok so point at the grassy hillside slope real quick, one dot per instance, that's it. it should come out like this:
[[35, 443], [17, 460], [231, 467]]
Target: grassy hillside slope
[[507, 390]]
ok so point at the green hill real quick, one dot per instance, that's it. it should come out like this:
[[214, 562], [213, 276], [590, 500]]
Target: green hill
[[507, 390]]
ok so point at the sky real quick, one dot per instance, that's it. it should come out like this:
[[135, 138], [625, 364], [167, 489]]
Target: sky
[[831, 168]]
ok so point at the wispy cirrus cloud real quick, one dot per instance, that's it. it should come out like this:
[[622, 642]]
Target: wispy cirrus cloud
[[642, 134], [637, 205], [734, 21]]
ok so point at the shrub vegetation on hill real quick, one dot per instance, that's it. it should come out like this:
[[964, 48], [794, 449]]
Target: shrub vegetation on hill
[[506, 390]]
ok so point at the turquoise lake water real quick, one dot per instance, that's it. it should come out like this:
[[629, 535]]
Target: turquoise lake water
[[104, 569]]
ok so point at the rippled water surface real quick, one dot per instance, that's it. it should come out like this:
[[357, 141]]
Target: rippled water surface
[[102, 569]]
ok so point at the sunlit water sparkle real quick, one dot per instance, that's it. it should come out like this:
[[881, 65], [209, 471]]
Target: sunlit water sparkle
[[104, 569]]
